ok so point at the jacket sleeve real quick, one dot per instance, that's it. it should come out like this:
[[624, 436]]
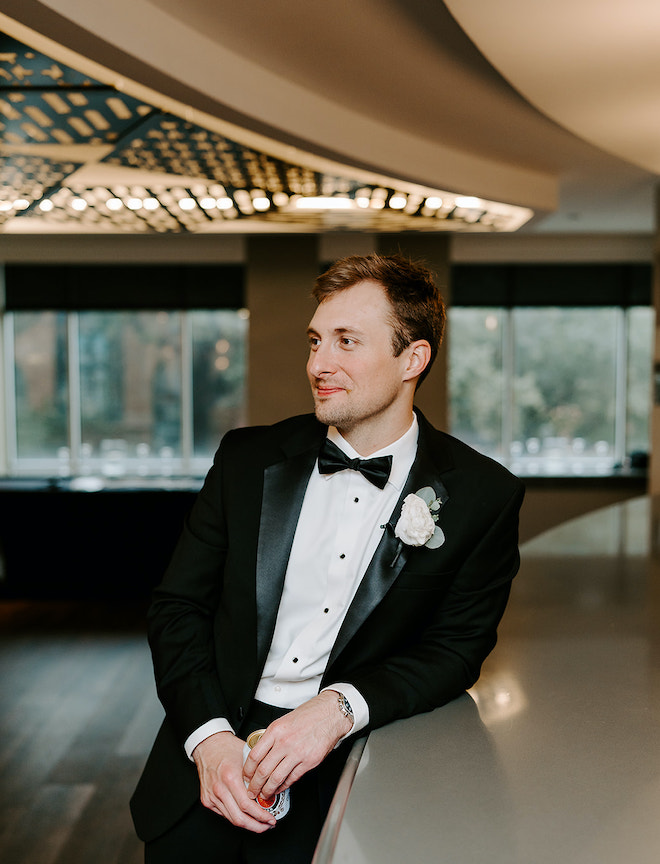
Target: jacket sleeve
[[180, 618], [444, 658]]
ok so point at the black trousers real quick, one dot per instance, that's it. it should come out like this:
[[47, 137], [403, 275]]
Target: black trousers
[[204, 837]]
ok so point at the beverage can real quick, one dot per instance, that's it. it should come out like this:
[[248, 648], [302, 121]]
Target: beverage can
[[277, 805]]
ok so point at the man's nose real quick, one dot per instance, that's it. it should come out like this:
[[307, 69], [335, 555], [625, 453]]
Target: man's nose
[[321, 361]]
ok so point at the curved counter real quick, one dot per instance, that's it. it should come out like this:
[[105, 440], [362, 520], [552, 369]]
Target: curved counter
[[554, 756]]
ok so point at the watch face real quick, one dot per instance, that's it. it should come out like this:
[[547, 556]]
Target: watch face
[[345, 706]]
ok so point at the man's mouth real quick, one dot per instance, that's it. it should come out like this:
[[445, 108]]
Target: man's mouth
[[327, 390]]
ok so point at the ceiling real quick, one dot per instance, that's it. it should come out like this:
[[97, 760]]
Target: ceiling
[[78, 153], [212, 117]]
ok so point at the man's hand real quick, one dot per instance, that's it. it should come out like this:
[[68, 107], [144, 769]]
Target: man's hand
[[295, 744], [219, 761]]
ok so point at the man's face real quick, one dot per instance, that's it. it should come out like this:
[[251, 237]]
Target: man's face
[[356, 380]]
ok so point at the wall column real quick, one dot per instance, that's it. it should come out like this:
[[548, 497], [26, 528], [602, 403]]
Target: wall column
[[432, 250], [4, 461], [654, 431], [280, 274]]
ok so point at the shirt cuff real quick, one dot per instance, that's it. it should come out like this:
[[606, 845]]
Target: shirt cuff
[[218, 724], [357, 703]]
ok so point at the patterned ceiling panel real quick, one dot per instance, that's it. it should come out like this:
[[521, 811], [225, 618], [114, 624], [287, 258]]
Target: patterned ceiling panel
[[22, 67], [169, 144], [43, 102], [50, 113], [25, 179]]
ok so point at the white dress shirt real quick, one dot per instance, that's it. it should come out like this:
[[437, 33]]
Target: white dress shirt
[[337, 534]]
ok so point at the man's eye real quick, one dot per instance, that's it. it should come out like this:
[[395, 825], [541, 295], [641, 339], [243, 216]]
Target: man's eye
[[346, 341]]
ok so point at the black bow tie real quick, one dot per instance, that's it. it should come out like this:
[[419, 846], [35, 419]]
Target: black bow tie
[[332, 459]]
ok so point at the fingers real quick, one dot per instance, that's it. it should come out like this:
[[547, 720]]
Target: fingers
[[271, 776], [294, 744], [288, 749], [219, 761], [233, 803], [242, 811], [266, 769]]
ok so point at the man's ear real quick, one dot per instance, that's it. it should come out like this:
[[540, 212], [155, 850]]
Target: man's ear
[[419, 357]]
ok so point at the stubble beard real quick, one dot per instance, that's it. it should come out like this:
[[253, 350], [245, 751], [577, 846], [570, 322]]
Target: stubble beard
[[333, 416], [347, 418]]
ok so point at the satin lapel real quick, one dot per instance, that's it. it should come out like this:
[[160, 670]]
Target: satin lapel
[[284, 489], [381, 571]]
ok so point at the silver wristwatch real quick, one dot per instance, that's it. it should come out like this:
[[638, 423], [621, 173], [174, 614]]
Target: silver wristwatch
[[345, 707]]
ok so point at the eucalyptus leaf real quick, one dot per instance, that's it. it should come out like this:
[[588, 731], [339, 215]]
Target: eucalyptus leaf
[[436, 540], [427, 494]]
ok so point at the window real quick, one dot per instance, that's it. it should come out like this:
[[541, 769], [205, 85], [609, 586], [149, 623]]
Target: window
[[141, 392], [552, 390], [40, 384]]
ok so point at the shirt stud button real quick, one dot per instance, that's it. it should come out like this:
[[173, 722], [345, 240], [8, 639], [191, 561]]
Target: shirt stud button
[[342, 555], [326, 610], [295, 659]]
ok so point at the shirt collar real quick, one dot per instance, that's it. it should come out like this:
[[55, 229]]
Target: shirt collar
[[403, 451]]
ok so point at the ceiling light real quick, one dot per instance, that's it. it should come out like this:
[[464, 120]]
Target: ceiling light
[[21, 204], [5, 205], [207, 203], [413, 202], [244, 201], [187, 204], [114, 203], [362, 202], [134, 203], [151, 203], [468, 202], [79, 204], [434, 203], [261, 203], [321, 203], [46, 205], [224, 204], [397, 202]]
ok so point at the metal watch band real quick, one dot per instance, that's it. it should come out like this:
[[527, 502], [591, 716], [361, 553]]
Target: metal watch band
[[345, 706]]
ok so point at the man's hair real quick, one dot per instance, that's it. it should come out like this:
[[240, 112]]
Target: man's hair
[[418, 310]]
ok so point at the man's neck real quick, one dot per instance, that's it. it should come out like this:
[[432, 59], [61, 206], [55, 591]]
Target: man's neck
[[366, 439]]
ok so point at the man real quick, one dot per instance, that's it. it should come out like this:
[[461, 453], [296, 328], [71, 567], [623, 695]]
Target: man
[[305, 598]]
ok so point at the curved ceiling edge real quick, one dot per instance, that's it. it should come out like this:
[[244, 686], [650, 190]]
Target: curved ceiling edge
[[591, 67]]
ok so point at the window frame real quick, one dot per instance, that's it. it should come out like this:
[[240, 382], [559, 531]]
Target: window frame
[[74, 463], [620, 450]]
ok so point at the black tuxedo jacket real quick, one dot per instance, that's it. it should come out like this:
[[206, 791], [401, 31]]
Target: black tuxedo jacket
[[414, 637]]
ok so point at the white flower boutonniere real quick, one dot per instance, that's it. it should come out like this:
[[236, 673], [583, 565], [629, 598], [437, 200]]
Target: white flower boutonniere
[[416, 525]]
